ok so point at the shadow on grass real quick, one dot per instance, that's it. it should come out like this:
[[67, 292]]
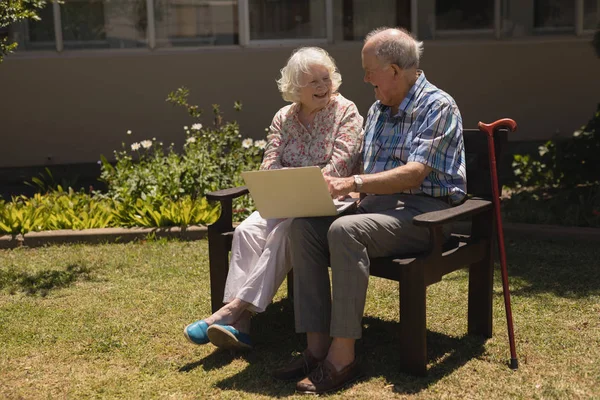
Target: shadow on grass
[[42, 282], [578, 206], [380, 348], [564, 268], [276, 342]]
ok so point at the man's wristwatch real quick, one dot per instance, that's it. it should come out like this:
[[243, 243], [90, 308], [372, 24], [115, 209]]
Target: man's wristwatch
[[358, 182]]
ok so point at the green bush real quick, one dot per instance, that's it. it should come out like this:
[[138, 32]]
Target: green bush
[[160, 212], [57, 209], [13, 11], [212, 158], [60, 209], [19, 217], [563, 163], [72, 210], [561, 184], [149, 185]]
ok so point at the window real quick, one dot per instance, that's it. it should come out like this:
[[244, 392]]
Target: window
[[591, 14], [287, 19], [196, 22], [101, 24], [35, 35], [88, 24], [554, 15], [360, 16], [464, 15]]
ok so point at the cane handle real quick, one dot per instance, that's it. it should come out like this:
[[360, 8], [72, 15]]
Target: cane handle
[[504, 122]]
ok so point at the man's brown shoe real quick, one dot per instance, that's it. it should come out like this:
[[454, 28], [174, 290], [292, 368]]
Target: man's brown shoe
[[299, 367], [326, 379]]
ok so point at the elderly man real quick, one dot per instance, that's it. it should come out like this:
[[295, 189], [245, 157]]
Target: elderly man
[[413, 163]]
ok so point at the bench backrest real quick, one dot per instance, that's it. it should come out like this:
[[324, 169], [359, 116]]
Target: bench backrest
[[478, 163]]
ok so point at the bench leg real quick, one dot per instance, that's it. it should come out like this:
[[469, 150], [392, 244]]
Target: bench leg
[[481, 281], [290, 285], [218, 254], [413, 329], [481, 276]]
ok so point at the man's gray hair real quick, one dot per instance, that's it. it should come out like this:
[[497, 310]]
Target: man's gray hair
[[403, 50]]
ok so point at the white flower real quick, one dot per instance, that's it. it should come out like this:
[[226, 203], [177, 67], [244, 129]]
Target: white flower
[[261, 144], [135, 146], [185, 128], [197, 126], [247, 143], [146, 144], [190, 140], [129, 132]]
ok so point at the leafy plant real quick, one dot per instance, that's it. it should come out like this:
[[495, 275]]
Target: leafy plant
[[163, 212], [149, 185], [46, 183], [564, 163], [73, 210], [561, 184], [212, 158], [19, 217], [12, 11]]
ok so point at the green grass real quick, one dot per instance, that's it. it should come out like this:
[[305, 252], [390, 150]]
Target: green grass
[[106, 322]]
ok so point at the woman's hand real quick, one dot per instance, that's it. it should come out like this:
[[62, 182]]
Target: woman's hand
[[339, 187]]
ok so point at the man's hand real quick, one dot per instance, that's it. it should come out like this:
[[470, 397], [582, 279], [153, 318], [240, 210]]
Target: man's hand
[[339, 187]]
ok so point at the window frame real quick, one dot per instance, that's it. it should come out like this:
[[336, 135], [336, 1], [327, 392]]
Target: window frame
[[246, 41], [577, 27], [495, 30], [244, 28], [579, 17]]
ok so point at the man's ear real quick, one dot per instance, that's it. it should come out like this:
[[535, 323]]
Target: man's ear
[[398, 72]]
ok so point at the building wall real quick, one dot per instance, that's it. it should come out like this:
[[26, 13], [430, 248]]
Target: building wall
[[72, 107]]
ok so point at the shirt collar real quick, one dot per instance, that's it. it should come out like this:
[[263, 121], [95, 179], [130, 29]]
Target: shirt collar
[[408, 103]]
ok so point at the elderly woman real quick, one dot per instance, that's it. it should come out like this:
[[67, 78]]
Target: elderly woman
[[319, 128]]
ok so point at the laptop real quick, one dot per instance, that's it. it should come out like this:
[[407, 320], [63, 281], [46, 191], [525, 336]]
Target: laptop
[[292, 193]]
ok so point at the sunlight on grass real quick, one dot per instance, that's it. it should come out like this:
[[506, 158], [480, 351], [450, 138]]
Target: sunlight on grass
[[107, 320]]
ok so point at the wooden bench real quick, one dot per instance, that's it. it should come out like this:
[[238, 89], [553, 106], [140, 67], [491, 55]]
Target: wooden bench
[[414, 272]]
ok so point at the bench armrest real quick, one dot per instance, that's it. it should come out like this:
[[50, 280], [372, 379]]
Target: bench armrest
[[225, 198], [437, 218], [225, 194]]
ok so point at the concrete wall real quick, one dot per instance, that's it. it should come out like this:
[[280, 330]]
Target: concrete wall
[[72, 107]]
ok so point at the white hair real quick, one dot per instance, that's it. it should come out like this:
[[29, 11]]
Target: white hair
[[403, 50], [299, 64]]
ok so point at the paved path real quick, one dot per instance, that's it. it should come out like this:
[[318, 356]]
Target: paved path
[[123, 235]]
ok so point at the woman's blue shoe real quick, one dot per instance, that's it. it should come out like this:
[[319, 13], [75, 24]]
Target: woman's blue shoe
[[196, 332], [227, 337]]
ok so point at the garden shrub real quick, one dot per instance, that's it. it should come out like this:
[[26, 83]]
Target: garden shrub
[[149, 184], [212, 158], [563, 163], [561, 184], [165, 211]]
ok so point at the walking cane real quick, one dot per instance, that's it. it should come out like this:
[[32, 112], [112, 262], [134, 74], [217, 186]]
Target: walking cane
[[489, 130]]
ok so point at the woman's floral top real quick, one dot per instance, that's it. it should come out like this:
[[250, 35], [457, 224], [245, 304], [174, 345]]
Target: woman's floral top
[[333, 141]]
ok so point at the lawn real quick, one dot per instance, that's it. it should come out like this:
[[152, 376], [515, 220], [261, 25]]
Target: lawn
[[106, 321]]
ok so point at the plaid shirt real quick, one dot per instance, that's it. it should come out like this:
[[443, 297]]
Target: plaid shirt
[[427, 129]]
